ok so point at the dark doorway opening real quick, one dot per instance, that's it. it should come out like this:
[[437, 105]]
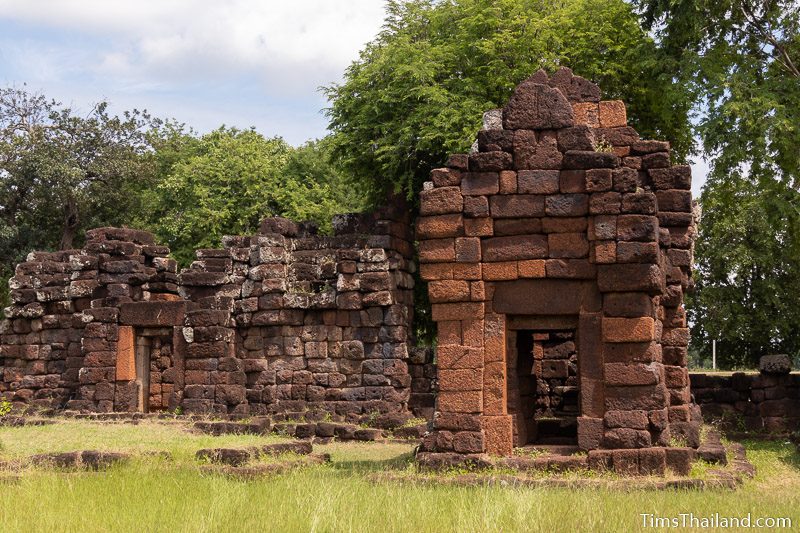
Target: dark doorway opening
[[155, 369], [544, 392]]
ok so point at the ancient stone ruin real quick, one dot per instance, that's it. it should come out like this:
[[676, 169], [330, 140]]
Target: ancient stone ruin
[[556, 256], [285, 321]]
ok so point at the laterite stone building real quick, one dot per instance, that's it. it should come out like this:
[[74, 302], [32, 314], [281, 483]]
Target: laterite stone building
[[285, 321], [556, 256]]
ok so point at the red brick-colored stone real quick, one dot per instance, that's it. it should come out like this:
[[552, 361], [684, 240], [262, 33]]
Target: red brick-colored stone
[[587, 113], [440, 201], [569, 245], [500, 271], [497, 435], [436, 271], [126, 354], [516, 206], [460, 401], [508, 182], [612, 114], [455, 357], [514, 248], [478, 227], [448, 291], [457, 311], [446, 177], [604, 252], [494, 388], [538, 181], [598, 180], [622, 374], [674, 201], [468, 249], [531, 268], [437, 250], [480, 183], [637, 252], [460, 380], [640, 329], [439, 226]]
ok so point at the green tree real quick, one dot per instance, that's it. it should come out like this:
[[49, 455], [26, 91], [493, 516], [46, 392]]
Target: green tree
[[227, 181], [741, 59], [418, 91], [314, 188], [62, 173], [748, 271]]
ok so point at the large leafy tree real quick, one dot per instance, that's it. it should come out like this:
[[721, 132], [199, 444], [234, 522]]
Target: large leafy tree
[[741, 59], [749, 272], [221, 183], [315, 188], [62, 172], [418, 90], [227, 181]]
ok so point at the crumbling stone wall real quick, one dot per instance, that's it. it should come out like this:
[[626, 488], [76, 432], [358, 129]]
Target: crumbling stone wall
[[284, 321], [305, 321], [749, 401], [58, 342], [561, 218]]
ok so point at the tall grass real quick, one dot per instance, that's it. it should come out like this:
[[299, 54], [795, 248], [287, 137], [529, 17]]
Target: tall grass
[[155, 494]]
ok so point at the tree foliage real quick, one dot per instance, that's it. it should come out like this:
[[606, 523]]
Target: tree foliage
[[749, 273], [741, 58], [227, 181], [62, 173], [418, 90], [314, 188]]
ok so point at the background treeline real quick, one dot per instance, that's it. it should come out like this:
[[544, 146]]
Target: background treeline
[[718, 78], [63, 172]]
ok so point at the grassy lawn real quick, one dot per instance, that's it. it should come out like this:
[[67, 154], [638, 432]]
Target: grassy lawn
[[152, 493]]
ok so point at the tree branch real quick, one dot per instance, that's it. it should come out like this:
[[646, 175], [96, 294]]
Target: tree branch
[[753, 20]]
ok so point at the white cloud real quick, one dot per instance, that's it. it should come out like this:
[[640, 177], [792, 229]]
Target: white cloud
[[238, 62], [179, 40]]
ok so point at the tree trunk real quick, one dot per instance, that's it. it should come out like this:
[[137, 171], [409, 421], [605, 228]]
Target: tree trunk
[[70, 229]]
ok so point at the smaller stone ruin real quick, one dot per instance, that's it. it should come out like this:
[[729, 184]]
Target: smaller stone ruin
[[282, 322], [557, 254]]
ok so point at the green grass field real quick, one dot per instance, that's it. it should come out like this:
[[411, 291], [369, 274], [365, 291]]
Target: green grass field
[[152, 493]]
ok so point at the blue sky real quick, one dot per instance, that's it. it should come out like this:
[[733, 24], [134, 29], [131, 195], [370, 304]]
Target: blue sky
[[235, 62]]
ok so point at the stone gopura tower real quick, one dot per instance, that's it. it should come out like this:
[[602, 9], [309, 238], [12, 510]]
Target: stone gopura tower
[[556, 256]]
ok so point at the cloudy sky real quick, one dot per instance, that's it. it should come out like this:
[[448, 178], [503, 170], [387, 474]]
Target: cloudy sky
[[206, 63], [237, 62]]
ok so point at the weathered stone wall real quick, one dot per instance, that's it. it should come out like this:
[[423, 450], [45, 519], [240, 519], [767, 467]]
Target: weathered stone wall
[[749, 401], [305, 321], [59, 340], [561, 219], [284, 321]]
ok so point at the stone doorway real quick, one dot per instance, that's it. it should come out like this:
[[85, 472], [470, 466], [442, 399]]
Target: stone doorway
[[155, 370], [543, 380]]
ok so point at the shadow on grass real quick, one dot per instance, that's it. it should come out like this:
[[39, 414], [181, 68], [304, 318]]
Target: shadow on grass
[[791, 456], [785, 451], [399, 462]]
